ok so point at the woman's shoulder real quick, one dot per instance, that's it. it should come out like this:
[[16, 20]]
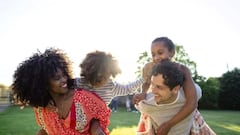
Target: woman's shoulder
[[85, 93], [82, 91]]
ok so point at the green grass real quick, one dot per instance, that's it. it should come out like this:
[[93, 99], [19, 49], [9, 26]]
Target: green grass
[[223, 122], [123, 122], [15, 121]]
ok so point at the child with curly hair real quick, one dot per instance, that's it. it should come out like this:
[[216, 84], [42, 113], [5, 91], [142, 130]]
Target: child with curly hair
[[97, 72]]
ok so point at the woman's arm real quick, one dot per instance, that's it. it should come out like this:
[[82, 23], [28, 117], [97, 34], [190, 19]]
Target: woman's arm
[[188, 108], [95, 128]]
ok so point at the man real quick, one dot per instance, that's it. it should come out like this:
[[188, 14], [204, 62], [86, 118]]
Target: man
[[166, 99]]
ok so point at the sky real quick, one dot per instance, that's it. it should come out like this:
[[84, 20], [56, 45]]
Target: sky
[[208, 30]]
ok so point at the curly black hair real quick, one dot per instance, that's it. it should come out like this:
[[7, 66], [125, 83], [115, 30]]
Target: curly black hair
[[97, 66], [167, 42], [171, 72], [31, 78]]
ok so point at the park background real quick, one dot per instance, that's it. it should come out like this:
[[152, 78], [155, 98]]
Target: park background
[[205, 32]]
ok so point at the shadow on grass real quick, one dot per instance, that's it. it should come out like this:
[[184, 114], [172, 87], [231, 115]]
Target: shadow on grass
[[223, 122], [225, 128]]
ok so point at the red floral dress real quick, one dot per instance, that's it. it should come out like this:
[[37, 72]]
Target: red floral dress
[[85, 107]]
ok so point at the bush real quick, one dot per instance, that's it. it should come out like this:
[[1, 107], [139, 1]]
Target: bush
[[210, 93], [229, 97]]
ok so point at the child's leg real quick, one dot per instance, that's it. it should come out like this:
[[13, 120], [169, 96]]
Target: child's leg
[[142, 123], [200, 127], [144, 126], [128, 104]]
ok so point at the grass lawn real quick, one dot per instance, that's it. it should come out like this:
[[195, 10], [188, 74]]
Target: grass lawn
[[15, 121], [223, 122]]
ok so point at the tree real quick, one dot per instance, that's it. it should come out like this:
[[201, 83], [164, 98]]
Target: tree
[[180, 56], [210, 90], [3, 87], [142, 60], [229, 96]]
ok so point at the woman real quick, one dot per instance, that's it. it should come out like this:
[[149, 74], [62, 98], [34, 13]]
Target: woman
[[42, 80]]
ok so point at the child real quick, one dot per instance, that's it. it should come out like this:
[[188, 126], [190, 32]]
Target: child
[[97, 71], [163, 49]]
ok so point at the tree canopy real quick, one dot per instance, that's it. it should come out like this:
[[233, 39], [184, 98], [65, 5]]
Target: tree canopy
[[229, 97]]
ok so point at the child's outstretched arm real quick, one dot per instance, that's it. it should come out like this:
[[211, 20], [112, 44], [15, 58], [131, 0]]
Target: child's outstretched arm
[[126, 89], [146, 75], [188, 108]]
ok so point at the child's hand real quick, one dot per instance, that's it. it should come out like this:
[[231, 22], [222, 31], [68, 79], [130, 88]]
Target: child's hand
[[138, 97], [163, 129], [41, 132]]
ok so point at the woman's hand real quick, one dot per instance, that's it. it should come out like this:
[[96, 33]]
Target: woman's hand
[[95, 128], [41, 132]]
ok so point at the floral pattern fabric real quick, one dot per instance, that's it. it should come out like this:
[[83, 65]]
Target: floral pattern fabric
[[85, 107], [199, 127]]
